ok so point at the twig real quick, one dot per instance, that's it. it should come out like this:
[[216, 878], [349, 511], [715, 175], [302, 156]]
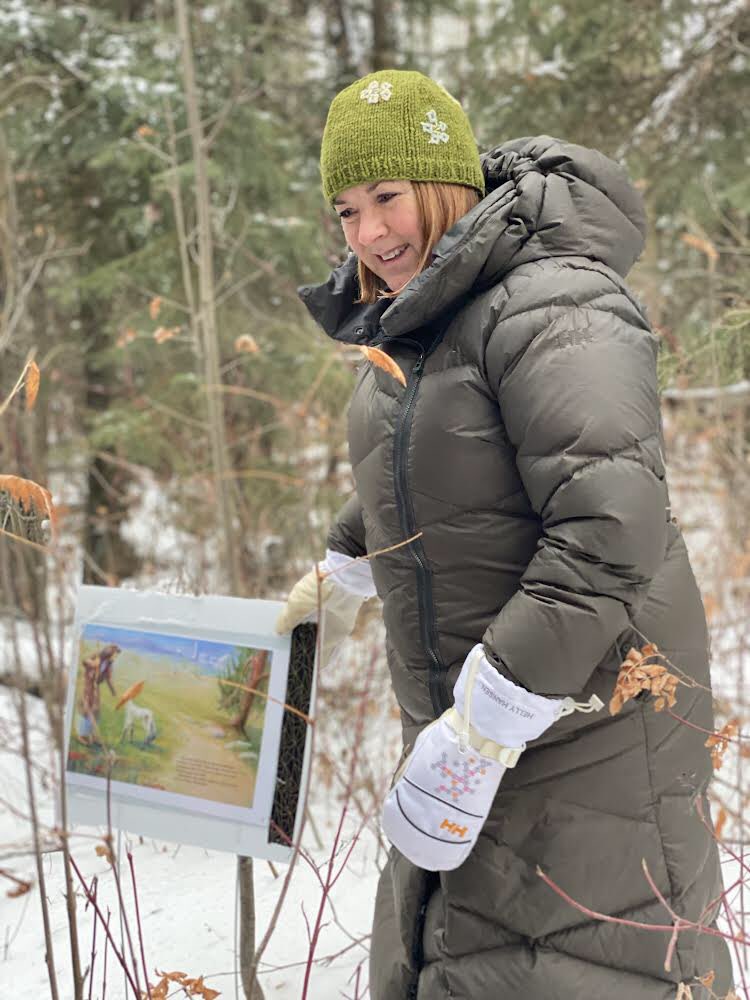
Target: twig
[[110, 939], [94, 888], [739, 738], [638, 924], [289, 708], [138, 924], [106, 947], [370, 555]]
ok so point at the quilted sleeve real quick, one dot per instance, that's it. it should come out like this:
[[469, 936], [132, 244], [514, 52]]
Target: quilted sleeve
[[347, 533], [580, 405]]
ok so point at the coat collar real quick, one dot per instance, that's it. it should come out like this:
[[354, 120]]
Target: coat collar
[[545, 198]]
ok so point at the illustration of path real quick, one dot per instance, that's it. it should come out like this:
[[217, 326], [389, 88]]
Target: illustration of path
[[202, 765]]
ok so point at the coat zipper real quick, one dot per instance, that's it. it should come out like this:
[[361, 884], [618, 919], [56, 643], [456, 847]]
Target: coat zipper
[[427, 623]]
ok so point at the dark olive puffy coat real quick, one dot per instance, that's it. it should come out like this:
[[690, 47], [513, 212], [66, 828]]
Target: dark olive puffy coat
[[526, 448]]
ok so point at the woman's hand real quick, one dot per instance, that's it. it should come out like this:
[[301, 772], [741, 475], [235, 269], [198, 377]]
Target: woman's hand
[[341, 596], [443, 792]]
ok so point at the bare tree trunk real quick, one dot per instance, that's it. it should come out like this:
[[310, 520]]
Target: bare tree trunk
[[207, 304], [337, 35], [220, 459], [383, 34]]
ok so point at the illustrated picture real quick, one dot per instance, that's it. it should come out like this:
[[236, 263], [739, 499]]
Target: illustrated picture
[[178, 714]]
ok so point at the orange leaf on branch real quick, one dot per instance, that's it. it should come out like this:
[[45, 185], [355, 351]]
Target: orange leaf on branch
[[191, 987], [720, 821], [708, 979], [699, 243], [132, 692], [382, 360], [30, 495], [105, 851], [32, 384], [163, 333], [719, 742], [154, 307], [246, 344], [125, 337]]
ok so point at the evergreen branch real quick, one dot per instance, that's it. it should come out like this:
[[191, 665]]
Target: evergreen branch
[[24, 541]]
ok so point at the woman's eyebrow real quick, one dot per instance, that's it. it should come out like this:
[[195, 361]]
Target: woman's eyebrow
[[370, 187]]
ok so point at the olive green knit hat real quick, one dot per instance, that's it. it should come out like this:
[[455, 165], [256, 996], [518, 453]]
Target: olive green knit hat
[[397, 125]]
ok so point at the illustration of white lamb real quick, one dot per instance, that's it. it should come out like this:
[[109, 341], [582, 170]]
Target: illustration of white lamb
[[134, 714]]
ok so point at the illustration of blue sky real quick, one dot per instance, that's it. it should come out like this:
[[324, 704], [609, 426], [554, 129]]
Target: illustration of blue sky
[[209, 657]]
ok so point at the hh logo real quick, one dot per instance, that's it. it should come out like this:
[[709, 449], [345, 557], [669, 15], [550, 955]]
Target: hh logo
[[454, 828]]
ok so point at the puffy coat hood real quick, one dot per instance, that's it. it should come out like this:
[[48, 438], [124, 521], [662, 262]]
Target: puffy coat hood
[[545, 198]]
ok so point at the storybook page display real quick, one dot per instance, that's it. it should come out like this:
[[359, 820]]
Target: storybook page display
[[176, 715]]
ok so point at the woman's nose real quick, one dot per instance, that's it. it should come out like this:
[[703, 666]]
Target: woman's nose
[[372, 228]]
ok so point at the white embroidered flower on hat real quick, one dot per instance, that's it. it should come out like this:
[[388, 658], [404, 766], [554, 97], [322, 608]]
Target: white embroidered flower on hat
[[376, 91], [437, 130]]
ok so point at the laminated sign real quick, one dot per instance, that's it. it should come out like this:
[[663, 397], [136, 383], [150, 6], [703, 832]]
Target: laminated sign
[[187, 719]]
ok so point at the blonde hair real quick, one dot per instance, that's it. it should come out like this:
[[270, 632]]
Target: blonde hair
[[440, 206]]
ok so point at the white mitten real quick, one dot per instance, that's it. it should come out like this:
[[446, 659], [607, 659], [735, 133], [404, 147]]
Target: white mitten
[[341, 596], [444, 790]]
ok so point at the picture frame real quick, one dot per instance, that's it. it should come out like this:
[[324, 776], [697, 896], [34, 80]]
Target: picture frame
[[183, 720]]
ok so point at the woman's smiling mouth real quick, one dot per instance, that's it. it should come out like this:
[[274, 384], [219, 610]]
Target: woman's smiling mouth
[[393, 254]]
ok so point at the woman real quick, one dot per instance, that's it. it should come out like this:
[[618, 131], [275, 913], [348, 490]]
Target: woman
[[525, 448]]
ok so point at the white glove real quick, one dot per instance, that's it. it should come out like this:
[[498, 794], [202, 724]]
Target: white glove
[[341, 597], [444, 790]]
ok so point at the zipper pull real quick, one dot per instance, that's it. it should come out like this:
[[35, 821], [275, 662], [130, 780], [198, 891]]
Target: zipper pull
[[417, 369]]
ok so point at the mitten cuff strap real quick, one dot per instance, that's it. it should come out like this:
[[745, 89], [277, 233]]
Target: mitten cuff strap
[[470, 737]]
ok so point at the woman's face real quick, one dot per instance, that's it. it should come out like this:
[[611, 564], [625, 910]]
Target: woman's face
[[377, 219]]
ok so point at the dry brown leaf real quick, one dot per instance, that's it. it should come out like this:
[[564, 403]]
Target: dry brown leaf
[[192, 987], [19, 890], [684, 992], [720, 821], [132, 692], [154, 307], [125, 337], [105, 851], [144, 131], [246, 344], [32, 384], [20, 886], [382, 360], [699, 243], [163, 333], [638, 674], [718, 742], [29, 494]]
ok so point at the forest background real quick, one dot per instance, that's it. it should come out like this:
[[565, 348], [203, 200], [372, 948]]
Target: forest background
[[160, 204]]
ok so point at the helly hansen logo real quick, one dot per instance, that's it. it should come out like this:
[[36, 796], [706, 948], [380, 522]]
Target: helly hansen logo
[[454, 828], [574, 337], [518, 710]]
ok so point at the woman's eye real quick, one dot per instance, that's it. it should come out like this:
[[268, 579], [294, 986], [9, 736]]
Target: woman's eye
[[387, 195]]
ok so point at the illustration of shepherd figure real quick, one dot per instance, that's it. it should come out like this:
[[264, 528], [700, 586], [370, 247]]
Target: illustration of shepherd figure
[[97, 669]]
